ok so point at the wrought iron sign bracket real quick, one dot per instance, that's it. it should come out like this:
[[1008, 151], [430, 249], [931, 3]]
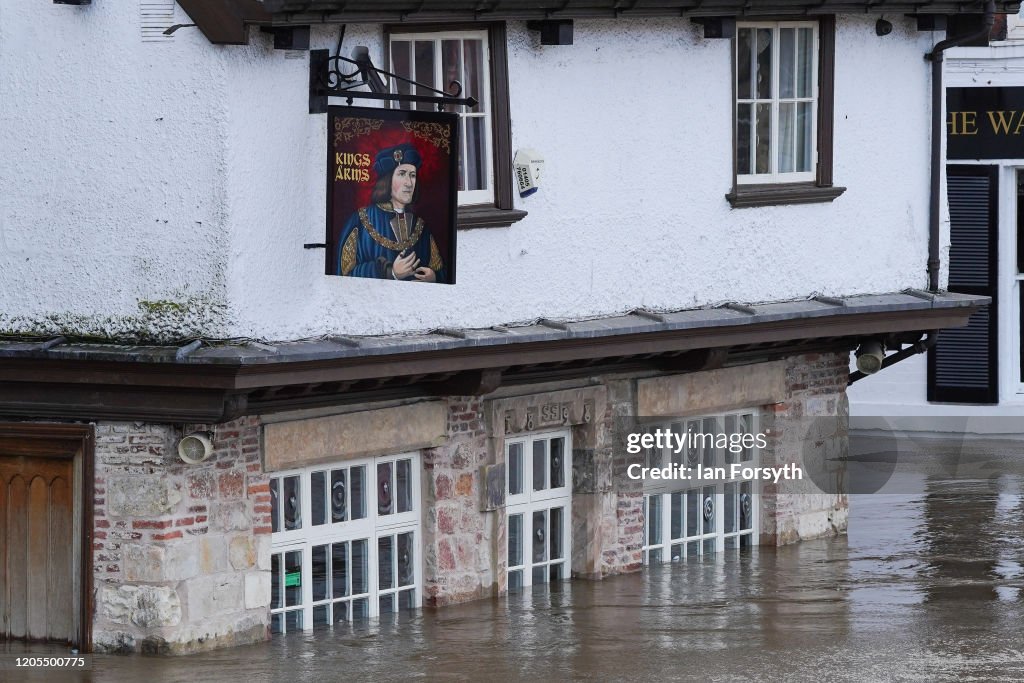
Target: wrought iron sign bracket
[[328, 78]]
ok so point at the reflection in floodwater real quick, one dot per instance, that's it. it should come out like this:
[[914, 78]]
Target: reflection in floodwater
[[926, 587]]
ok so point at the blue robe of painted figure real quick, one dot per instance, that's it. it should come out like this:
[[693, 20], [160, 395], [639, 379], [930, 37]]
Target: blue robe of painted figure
[[369, 244]]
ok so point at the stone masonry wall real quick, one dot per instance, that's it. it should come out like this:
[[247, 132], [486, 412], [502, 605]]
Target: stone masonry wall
[[809, 430], [459, 538], [181, 552]]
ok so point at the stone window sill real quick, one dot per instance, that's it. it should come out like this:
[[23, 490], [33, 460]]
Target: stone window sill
[[487, 216], [744, 196]]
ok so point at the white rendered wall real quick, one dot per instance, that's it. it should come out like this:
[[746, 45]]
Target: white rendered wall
[[634, 122], [112, 188]]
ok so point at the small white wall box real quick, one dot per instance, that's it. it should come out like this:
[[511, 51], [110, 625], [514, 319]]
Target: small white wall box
[[528, 165]]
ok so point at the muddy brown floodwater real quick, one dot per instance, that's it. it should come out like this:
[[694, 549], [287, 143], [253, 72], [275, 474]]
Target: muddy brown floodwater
[[927, 586]]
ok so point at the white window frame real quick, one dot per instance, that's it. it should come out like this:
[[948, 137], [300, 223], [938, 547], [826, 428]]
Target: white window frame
[[717, 539], [370, 528], [530, 501], [484, 110], [775, 176]]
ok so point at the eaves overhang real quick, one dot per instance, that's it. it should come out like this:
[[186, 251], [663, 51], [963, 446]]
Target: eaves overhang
[[455, 10], [217, 382], [227, 21]]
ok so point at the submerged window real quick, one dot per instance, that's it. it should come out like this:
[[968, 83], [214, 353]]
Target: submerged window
[[691, 519], [345, 542], [539, 505]]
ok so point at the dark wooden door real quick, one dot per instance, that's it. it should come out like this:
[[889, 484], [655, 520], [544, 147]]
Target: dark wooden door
[[38, 591]]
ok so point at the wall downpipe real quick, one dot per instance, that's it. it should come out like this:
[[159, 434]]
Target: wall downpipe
[[936, 58]]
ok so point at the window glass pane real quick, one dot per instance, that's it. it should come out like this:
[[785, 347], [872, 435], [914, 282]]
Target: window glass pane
[[292, 504], [655, 556], [746, 506], [340, 612], [387, 604], [515, 469], [385, 562], [730, 429], [401, 65], [744, 133], [339, 504], [275, 580], [360, 609], [678, 500], [385, 487], [744, 58], [693, 549], [476, 153], [787, 133], [556, 533], [693, 512], [556, 571], [708, 509], [320, 616], [451, 68], [320, 572], [763, 151], [540, 544], [406, 560], [731, 501], [275, 505], [339, 570], [318, 496], [403, 485], [473, 85], [677, 552], [293, 620], [805, 63], [407, 599], [424, 71], [277, 624], [515, 540], [360, 567], [654, 520], [539, 575], [557, 462], [787, 62], [515, 580], [804, 112], [293, 578], [539, 464], [358, 484], [709, 428], [764, 63], [747, 429], [709, 546], [731, 542]]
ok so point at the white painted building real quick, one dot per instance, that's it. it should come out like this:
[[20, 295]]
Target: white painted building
[[901, 395], [681, 264]]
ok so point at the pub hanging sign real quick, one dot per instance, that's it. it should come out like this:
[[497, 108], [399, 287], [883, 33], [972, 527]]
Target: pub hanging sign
[[391, 194], [985, 123]]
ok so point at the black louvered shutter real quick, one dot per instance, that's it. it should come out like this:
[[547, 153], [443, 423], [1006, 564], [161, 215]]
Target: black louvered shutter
[[962, 366]]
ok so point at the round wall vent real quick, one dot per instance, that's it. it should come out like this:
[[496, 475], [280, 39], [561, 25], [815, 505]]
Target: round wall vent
[[195, 448]]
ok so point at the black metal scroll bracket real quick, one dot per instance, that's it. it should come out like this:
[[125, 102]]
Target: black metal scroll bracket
[[327, 78]]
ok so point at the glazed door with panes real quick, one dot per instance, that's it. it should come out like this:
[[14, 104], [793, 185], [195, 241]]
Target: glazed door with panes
[[346, 542], [538, 500]]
